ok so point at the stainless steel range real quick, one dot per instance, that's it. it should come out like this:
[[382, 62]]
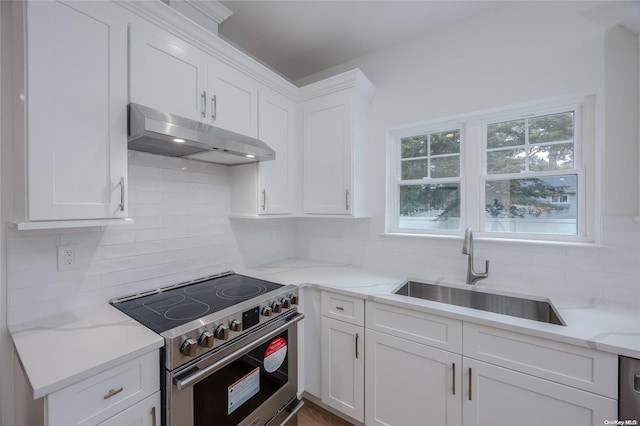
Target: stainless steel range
[[230, 353]]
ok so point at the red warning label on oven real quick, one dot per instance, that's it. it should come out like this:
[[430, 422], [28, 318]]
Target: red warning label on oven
[[275, 354]]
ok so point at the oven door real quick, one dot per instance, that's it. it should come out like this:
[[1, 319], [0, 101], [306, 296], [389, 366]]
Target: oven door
[[251, 382]]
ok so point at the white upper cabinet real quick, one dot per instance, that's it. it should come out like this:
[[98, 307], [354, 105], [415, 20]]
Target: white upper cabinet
[[171, 75], [233, 99], [269, 187], [277, 179], [335, 123], [167, 73], [75, 112]]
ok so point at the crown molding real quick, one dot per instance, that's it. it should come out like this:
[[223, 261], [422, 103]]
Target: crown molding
[[353, 79]]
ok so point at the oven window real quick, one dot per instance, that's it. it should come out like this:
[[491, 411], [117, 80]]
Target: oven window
[[236, 390]]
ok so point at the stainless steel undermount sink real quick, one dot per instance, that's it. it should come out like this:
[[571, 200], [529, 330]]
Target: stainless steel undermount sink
[[536, 310]]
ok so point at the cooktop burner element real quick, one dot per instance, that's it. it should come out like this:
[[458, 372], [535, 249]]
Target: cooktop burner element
[[172, 307]]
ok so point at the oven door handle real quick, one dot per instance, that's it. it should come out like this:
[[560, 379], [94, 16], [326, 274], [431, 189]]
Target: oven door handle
[[201, 374]]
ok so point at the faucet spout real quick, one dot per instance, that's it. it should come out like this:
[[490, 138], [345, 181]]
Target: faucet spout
[[467, 248]]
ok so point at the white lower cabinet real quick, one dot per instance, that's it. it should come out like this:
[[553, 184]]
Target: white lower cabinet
[[343, 358], [411, 384], [123, 395], [497, 396]]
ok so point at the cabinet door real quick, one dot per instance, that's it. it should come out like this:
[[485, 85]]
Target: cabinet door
[[277, 178], [411, 384], [233, 100], [144, 413], [343, 367], [498, 396], [327, 155], [167, 73], [76, 105]]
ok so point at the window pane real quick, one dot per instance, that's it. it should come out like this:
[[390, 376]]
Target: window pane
[[414, 169], [445, 167], [415, 146], [509, 133], [445, 142], [545, 205], [551, 157], [430, 206], [551, 128], [506, 161]]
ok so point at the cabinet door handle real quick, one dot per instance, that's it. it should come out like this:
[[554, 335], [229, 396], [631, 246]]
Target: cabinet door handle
[[346, 199], [470, 387], [153, 416], [453, 380], [357, 338], [264, 199], [204, 104], [122, 194], [214, 107], [113, 392]]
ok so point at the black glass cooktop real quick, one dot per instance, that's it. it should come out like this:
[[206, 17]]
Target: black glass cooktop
[[173, 307]]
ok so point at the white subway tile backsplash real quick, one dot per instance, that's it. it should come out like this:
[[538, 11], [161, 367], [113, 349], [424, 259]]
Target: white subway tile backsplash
[[180, 232]]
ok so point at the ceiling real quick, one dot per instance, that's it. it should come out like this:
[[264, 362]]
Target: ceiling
[[298, 38]]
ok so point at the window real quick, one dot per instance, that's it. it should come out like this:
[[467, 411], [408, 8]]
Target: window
[[429, 182], [514, 173]]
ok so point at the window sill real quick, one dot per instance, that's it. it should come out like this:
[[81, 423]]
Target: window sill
[[491, 240]]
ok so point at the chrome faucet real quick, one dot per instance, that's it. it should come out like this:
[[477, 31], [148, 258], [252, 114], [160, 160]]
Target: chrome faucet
[[467, 248]]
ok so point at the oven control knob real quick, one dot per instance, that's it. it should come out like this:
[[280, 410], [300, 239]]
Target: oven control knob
[[276, 307], [294, 299], [222, 332], [266, 311], [234, 325], [189, 347], [206, 339], [286, 302]]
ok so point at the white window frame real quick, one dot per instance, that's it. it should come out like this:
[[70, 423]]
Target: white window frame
[[473, 175], [395, 172]]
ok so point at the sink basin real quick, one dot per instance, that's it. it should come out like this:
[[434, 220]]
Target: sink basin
[[536, 310]]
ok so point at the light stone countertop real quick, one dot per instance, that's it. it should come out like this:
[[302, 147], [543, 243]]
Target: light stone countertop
[[85, 342], [63, 349], [598, 324]]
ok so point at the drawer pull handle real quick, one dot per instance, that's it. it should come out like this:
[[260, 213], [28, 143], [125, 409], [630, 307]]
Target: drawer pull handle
[[113, 392], [153, 416], [453, 381], [340, 308]]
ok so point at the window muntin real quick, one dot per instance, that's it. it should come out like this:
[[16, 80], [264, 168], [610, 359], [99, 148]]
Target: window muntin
[[428, 187]]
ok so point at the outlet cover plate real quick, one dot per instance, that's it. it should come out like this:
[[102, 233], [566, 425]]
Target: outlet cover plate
[[67, 258]]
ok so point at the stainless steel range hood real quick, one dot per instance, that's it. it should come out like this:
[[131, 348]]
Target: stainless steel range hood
[[157, 132]]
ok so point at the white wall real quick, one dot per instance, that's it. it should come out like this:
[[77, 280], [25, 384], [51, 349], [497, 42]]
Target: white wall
[[517, 53], [181, 231]]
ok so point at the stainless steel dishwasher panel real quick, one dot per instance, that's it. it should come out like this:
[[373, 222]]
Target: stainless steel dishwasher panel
[[629, 393]]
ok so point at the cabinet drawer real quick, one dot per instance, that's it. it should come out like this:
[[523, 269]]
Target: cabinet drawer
[[144, 413], [420, 327], [99, 397], [343, 308], [575, 366]]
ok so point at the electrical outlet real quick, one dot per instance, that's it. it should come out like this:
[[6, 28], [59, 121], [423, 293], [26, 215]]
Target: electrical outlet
[[66, 258]]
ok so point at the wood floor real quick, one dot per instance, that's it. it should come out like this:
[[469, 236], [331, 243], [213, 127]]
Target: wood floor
[[312, 415]]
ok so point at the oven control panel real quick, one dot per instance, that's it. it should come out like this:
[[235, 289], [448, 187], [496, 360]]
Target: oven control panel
[[226, 326]]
